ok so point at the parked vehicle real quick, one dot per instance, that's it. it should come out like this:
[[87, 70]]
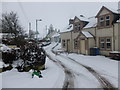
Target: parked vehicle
[[115, 55]]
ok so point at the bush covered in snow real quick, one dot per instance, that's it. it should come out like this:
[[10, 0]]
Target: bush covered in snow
[[32, 56], [29, 56]]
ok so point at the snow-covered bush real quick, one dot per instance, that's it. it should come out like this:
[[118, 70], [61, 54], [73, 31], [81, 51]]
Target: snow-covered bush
[[33, 57], [9, 56]]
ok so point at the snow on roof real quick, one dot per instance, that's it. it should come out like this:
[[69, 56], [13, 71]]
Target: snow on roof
[[72, 18], [87, 34], [92, 22], [111, 9], [82, 18], [56, 35], [68, 28]]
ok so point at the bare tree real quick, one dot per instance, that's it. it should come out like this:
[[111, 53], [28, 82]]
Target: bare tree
[[10, 24]]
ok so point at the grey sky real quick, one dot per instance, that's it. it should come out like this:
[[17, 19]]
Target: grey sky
[[56, 13]]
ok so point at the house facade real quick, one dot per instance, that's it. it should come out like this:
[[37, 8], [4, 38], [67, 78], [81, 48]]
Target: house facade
[[108, 30], [101, 31]]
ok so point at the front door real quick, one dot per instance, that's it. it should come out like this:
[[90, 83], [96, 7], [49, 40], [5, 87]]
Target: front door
[[82, 46], [68, 45]]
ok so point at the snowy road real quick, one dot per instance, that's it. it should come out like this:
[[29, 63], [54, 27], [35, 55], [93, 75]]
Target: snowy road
[[69, 77], [76, 76], [75, 73], [104, 83]]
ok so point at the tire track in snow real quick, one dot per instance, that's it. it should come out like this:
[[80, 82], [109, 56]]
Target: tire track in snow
[[69, 76], [106, 85]]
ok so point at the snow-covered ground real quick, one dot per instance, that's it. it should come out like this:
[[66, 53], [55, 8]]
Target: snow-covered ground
[[55, 76], [15, 79], [106, 67], [82, 78]]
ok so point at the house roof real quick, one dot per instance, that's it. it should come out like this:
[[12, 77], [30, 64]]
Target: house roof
[[87, 34], [92, 22], [56, 35], [82, 18], [68, 28], [107, 8], [111, 9]]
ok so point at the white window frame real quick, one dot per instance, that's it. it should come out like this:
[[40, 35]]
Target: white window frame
[[105, 42], [107, 20], [101, 21], [108, 42], [63, 43], [75, 26], [102, 42]]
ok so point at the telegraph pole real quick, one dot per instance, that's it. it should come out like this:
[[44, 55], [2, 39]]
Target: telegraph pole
[[29, 30], [37, 30], [46, 31]]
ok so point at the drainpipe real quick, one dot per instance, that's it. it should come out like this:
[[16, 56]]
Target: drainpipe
[[113, 38], [95, 38], [118, 25], [71, 43]]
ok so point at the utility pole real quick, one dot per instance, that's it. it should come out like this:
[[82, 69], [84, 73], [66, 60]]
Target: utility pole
[[29, 30], [37, 30], [46, 31]]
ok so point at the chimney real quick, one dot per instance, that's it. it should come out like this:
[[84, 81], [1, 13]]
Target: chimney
[[70, 21], [119, 7]]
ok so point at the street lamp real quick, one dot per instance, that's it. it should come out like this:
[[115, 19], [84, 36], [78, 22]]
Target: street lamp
[[36, 29]]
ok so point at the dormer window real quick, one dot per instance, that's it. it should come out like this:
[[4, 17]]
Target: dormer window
[[101, 21], [107, 20], [75, 27], [104, 21]]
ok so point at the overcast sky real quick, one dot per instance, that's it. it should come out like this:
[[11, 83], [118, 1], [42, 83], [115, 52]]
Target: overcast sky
[[56, 13]]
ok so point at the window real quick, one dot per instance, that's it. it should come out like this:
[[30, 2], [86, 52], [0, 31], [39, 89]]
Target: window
[[75, 43], [75, 27], [107, 20], [108, 43], [102, 43], [63, 43], [101, 21], [104, 21], [105, 43]]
